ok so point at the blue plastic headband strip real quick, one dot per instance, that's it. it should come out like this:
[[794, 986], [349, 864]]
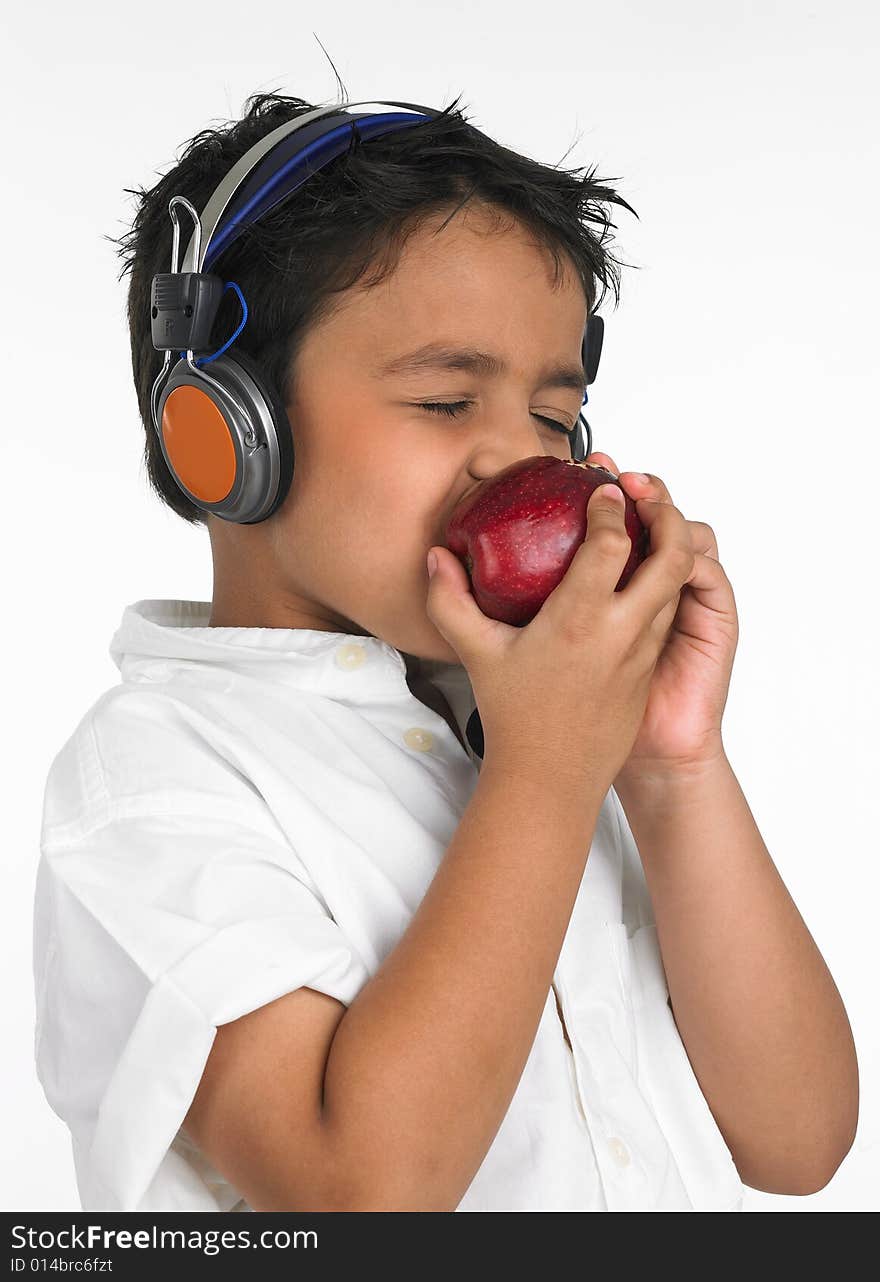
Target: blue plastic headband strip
[[259, 196]]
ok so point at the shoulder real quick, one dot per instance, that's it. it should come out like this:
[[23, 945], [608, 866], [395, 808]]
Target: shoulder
[[137, 747]]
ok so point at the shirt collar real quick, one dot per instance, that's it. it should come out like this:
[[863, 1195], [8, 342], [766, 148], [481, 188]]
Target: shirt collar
[[337, 664]]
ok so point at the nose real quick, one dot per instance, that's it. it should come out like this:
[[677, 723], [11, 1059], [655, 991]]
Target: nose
[[510, 436]]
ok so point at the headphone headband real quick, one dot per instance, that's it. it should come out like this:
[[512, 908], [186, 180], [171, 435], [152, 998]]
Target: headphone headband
[[280, 160]]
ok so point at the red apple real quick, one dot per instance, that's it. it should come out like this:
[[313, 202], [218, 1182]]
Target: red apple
[[517, 533]]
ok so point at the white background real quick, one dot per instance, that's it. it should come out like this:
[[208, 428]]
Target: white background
[[741, 367]]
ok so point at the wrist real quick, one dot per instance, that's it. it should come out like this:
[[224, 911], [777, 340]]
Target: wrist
[[657, 782], [544, 782]]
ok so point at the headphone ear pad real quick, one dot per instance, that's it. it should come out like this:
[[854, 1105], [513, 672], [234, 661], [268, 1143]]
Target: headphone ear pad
[[591, 347], [281, 422]]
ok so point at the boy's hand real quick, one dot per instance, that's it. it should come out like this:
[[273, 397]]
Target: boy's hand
[[681, 727]]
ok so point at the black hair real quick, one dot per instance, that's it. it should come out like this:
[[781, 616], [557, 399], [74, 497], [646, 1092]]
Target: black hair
[[354, 214]]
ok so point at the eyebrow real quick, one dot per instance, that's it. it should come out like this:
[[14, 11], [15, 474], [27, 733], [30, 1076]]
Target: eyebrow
[[440, 355]]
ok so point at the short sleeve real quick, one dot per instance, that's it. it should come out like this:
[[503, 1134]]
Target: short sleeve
[[151, 931]]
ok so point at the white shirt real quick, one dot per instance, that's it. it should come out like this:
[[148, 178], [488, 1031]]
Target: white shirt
[[251, 810]]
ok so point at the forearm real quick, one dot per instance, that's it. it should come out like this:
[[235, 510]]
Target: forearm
[[760, 1016], [425, 1062]]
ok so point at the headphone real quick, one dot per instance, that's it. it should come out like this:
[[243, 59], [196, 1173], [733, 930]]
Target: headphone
[[225, 434]]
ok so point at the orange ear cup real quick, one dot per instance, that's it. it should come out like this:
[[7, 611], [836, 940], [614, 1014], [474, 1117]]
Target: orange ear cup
[[198, 443]]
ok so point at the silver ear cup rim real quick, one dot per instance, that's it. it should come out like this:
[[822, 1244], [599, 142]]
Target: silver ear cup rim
[[257, 467]]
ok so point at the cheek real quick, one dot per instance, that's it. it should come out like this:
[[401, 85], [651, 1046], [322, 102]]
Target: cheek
[[397, 511], [388, 495]]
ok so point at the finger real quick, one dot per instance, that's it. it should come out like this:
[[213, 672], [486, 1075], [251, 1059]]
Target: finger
[[670, 562], [713, 589], [604, 460], [598, 563], [455, 614], [662, 624], [652, 488], [704, 539], [702, 536]]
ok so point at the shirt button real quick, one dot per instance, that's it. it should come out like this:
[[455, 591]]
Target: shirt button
[[351, 655], [620, 1151], [419, 739]]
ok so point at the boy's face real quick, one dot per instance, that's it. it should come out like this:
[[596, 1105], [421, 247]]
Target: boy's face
[[375, 476]]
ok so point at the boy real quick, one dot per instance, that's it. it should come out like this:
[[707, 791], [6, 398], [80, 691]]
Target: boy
[[298, 945]]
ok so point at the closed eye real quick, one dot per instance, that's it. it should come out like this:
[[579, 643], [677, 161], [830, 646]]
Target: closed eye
[[454, 408]]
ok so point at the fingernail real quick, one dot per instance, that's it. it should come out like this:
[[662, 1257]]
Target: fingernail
[[643, 477], [432, 563]]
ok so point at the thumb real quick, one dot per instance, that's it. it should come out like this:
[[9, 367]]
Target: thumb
[[452, 609]]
